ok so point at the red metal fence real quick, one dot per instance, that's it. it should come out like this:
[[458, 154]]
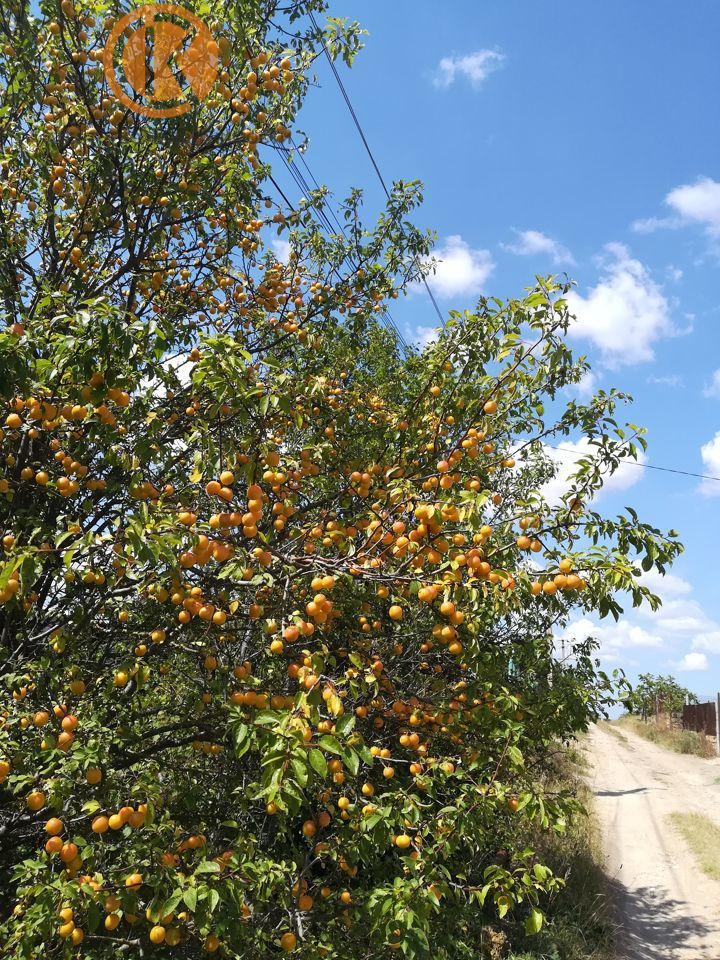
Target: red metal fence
[[700, 717]]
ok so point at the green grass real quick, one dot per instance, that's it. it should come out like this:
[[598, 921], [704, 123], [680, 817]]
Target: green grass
[[578, 925], [702, 837], [679, 741]]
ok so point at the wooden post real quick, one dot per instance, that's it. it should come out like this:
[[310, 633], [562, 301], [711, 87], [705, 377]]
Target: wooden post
[[717, 723]]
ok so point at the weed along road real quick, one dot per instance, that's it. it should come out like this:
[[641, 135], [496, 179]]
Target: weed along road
[[667, 907]]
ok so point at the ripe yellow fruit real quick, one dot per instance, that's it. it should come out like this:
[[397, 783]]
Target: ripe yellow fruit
[[288, 942], [36, 800], [54, 826], [93, 775], [403, 841], [395, 612], [157, 934], [68, 852]]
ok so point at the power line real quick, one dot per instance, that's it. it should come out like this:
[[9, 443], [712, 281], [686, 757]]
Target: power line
[[321, 216], [361, 132], [645, 466], [370, 154]]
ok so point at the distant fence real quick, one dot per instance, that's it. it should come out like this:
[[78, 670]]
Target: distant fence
[[702, 718]]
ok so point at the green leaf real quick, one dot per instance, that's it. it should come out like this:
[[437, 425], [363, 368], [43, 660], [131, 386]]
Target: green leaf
[[318, 762], [351, 760], [534, 922], [330, 744], [344, 724], [190, 898], [241, 739], [171, 903]]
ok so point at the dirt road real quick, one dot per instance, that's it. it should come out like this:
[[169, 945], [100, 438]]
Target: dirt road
[[667, 908]]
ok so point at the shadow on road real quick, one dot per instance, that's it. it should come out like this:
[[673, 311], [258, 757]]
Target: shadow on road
[[619, 793], [655, 926]]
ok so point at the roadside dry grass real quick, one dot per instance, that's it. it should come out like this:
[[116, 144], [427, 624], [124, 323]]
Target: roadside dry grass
[[679, 741], [579, 924], [702, 837]]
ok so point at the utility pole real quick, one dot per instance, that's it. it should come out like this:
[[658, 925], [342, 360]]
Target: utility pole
[[717, 723]]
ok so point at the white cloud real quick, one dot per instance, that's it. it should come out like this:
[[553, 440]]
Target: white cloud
[[709, 641], [713, 388], [710, 453], [476, 67], [667, 586], [566, 458], [680, 613], [679, 619], [426, 335], [693, 661], [625, 313], [697, 203], [532, 242], [614, 638], [460, 270], [281, 249], [585, 387]]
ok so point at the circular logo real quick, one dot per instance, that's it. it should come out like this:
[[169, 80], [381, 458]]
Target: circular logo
[[146, 54]]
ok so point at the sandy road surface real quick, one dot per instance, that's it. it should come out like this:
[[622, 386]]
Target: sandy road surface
[[667, 908]]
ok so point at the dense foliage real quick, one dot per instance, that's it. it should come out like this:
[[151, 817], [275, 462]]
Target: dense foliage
[[277, 596]]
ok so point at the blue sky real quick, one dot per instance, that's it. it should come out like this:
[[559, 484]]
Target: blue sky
[[578, 137]]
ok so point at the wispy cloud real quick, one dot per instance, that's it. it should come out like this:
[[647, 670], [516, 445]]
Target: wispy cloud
[[710, 454], [533, 242], [697, 203], [712, 389], [672, 380], [653, 224], [475, 67]]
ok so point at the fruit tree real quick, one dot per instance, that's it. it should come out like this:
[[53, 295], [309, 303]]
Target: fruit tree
[[277, 595]]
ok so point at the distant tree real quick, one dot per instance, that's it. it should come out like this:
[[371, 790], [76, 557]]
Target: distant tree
[[663, 690]]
